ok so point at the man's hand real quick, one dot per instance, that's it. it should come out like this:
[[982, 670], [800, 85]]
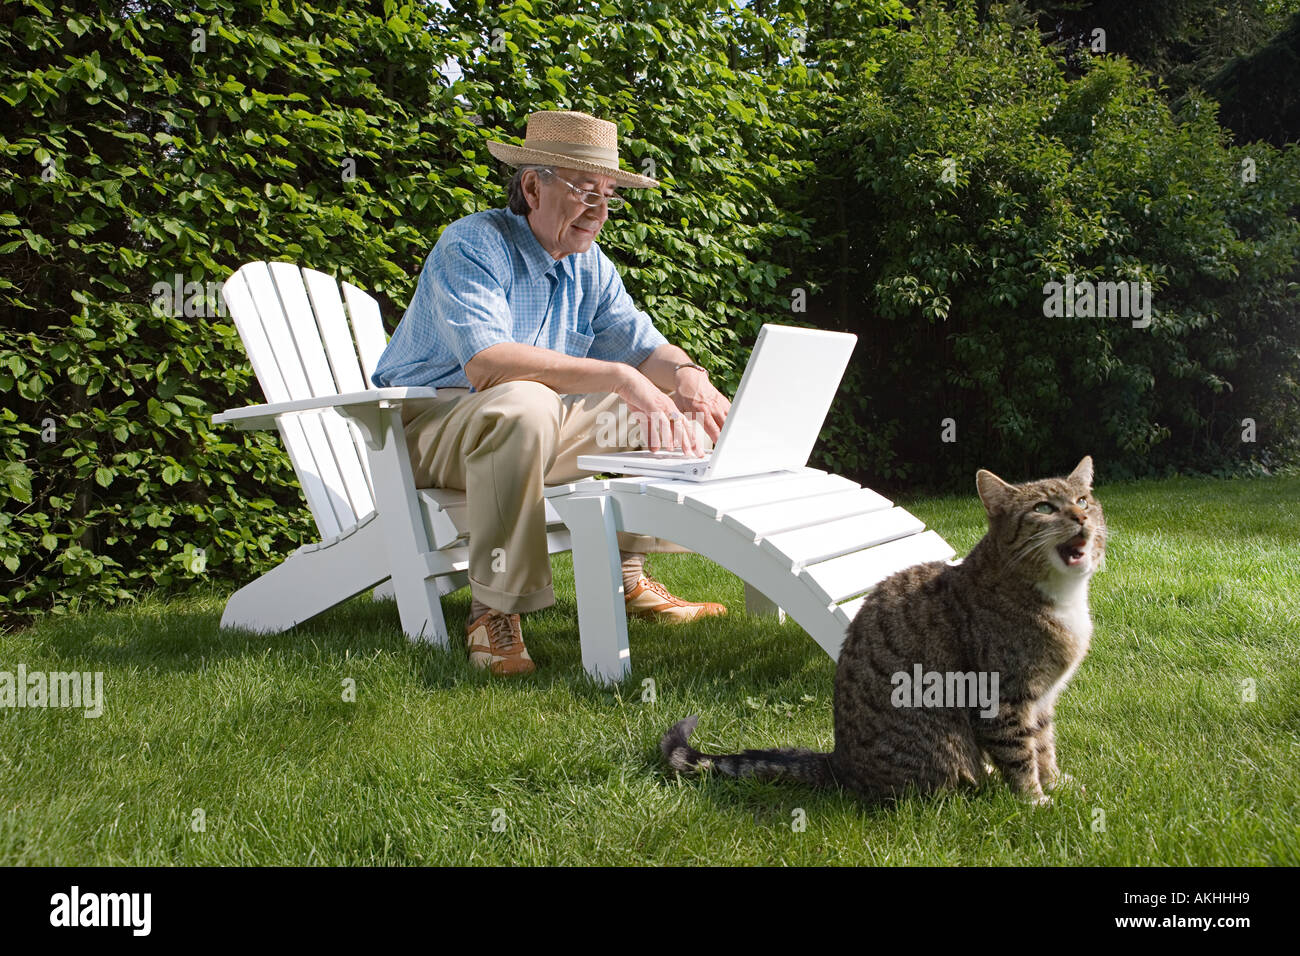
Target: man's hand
[[665, 426], [702, 407], [696, 396]]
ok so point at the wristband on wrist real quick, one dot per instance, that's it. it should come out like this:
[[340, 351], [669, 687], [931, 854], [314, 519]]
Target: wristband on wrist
[[678, 368]]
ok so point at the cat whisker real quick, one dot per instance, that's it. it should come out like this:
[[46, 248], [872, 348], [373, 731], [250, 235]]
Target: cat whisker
[[1029, 546]]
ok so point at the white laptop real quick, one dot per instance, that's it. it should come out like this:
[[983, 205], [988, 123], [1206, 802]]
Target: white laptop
[[784, 395]]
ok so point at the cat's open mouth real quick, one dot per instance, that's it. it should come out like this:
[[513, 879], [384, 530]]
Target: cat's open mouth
[[1073, 551]]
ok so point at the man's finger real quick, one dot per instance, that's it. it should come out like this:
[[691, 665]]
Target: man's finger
[[638, 427], [686, 436], [681, 441], [711, 424], [652, 432], [701, 412], [716, 417], [666, 434]]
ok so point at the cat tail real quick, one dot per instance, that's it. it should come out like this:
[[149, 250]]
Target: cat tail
[[788, 763]]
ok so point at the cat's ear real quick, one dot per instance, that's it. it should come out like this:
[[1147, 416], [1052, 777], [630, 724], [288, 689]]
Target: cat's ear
[[1083, 471], [994, 492]]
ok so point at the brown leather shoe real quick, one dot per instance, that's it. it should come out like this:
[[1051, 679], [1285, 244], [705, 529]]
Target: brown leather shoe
[[651, 600], [496, 642]]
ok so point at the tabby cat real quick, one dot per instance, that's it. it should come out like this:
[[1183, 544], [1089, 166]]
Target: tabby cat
[[1012, 617]]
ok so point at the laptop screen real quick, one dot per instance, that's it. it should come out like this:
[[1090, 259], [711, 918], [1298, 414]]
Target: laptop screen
[[783, 398]]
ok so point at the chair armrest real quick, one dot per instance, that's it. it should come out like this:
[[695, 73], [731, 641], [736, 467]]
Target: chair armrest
[[264, 416]]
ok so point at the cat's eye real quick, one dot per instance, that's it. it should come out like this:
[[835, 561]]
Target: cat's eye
[[1044, 508], [1082, 502]]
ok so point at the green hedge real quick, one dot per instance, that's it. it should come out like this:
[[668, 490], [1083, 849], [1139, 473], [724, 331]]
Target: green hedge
[[964, 172], [136, 150]]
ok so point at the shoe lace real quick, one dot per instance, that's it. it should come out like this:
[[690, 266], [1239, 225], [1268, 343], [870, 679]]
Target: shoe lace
[[653, 585], [501, 632]]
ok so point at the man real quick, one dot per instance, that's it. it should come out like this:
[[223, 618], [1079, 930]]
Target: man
[[523, 325]]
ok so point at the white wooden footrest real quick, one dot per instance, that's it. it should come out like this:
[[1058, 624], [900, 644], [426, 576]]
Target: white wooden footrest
[[809, 542]]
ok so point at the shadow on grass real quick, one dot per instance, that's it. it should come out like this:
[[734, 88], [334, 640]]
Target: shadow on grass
[[769, 802], [185, 635], [745, 653]]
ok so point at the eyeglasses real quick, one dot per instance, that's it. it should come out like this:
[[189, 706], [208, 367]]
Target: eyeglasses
[[590, 197]]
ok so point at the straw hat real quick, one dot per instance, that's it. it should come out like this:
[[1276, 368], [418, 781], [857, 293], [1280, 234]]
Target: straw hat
[[572, 140]]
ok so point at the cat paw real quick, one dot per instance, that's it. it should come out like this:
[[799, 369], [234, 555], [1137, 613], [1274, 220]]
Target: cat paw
[[1035, 799], [1063, 781], [1054, 780]]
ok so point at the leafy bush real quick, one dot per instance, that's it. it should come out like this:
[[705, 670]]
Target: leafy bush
[[969, 173], [148, 142]]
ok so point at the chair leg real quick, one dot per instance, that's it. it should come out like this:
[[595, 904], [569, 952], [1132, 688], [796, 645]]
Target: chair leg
[[410, 552], [419, 605], [598, 575], [756, 602]]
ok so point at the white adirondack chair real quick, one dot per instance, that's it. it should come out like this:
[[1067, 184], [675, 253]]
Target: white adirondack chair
[[313, 358], [806, 542]]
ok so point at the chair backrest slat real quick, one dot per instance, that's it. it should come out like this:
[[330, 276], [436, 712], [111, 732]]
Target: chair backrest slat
[[334, 330], [351, 461], [297, 335], [302, 325], [239, 302], [302, 452], [367, 328], [248, 318], [266, 301], [336, 463], [371, 339], [283, 305]]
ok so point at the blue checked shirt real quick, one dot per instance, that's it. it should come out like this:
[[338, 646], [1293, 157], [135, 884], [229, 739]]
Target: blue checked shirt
[[488, 280]]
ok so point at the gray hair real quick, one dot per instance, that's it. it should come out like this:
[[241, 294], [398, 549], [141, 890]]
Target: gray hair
[[518, 201]]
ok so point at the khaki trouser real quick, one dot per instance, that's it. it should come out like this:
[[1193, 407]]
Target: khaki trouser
[[502, 446]]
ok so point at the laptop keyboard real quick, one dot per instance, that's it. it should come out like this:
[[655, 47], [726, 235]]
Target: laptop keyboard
[[673, 456]]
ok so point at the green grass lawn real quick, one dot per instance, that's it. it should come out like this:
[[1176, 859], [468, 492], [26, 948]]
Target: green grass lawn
[[436, 763]]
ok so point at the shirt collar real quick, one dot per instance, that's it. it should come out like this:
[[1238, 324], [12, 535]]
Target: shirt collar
[[536, 259]]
